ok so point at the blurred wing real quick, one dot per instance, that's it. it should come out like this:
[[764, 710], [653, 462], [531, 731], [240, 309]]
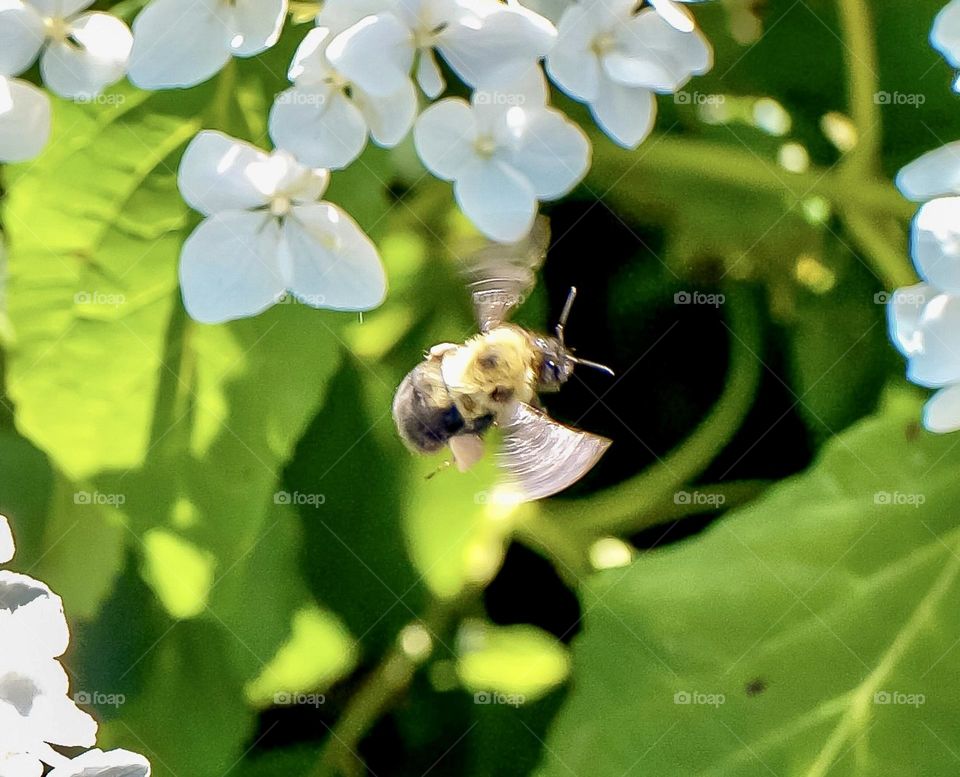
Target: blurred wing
[[499, 276], [543, 457]]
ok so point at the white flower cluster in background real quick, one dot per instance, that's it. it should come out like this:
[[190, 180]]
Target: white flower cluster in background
[[366, 71], [36, 712], [925, 318], [80, 54]]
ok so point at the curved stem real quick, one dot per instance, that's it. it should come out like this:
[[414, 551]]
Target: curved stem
[[860, 56], [650, 490], [631, 178], [888, 260], [724, 496], [382, 687]]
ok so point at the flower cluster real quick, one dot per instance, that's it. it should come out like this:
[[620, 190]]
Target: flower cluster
[[362, 73], [925, 318], [80, 52], [36, 714]]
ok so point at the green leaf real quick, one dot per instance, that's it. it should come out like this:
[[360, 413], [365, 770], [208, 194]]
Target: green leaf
[[807, 634], [189, 717], [319, 652], [520, 661], [82, 525], [92, 269]]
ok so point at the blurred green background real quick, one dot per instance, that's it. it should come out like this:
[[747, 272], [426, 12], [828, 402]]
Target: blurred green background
[[759, 578]]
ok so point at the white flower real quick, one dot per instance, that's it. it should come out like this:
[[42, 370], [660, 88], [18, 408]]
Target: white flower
[[614, 59], [24, 120], [675, 14], [7, 548], [266, 234], [96, 763], [324, 119], [181, 43], [934, 179], [35, 709], [925, 319], [945, 35], [80, 53], [504, 151], [31, 614], [486, 42]]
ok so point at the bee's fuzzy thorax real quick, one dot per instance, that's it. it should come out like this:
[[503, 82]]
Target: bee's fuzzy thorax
[[491, 371]]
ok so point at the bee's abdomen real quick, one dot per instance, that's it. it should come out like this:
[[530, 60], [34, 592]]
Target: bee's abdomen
[[425, 414]]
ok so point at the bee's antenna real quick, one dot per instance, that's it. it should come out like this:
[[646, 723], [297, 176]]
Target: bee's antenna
[[565, 313], [593, 365]]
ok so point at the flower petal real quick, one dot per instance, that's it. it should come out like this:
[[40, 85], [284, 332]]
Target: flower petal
[[935, 243], [7, 545], [31, 616], [945, 35], [310, 65], [941, 414], [935, 174], [21, 36], [552, 152], [63, 9], [903, 316], [429, 77], [499, 200], [572, 63], [625, 113], [503, 46], [936, 362], [99, 60], [333, 263], [674, 15], [652, 54], [257, 25], [24, 120], [214, 174], [19, 765], [376, 53], [230, 267], [96, 763], [390, 117], [444, 136], [321, 127], [179, 43]]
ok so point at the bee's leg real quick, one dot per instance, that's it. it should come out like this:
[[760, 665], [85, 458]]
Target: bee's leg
[[467, 450], [438, 470]]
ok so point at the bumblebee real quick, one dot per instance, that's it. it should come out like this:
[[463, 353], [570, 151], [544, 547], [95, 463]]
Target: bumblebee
[[458, 392]]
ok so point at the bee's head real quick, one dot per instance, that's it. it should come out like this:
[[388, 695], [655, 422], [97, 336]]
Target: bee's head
[[556, 363]]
